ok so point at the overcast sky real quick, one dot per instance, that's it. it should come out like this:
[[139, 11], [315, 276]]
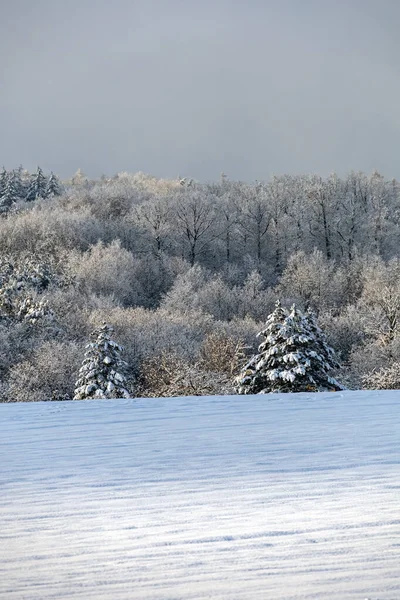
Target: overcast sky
[[196, 87]]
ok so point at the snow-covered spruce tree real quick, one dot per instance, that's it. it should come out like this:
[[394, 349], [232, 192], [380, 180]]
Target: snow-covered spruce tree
[[100, 375], [18, 183], [324, 349], [10, 193], [53, 187], [20, 284], [31, 310], [251, 379], [294, 357], [3, 180], [37, 186]]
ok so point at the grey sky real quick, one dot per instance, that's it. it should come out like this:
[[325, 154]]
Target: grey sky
[[196, 87]]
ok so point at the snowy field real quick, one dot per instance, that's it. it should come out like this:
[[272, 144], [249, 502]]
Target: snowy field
[[276, 497]]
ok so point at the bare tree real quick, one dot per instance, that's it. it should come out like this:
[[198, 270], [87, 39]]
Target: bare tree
[[195, 215], [156, 218], [255, 218]]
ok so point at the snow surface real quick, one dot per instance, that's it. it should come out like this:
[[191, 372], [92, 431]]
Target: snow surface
[[245, 497]]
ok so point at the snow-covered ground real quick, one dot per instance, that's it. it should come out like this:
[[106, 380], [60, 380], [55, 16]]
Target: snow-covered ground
[[259, 497]]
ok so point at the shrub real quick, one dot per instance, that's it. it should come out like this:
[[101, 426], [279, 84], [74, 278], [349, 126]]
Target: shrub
[[48, 373], [386, 378]]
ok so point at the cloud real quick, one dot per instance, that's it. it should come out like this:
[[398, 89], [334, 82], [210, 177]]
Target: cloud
[[198, 88]]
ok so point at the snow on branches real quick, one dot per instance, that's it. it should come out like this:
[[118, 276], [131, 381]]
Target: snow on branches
[[19, 284], [293, 357], [100, 375]]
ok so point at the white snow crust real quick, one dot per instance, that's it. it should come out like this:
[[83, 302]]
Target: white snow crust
[[281, 497]]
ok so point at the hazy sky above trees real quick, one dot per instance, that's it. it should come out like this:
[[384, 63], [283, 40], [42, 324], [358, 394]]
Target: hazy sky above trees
[[196, 87]]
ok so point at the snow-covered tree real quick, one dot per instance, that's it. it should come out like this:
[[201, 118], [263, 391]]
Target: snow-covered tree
[[386, 378], [37, 186], [53, 187], [32, 310], [20, 285], [251, 379], [19, 184], [3, 180], [79, 178], [10, 194], [101, 373], [294, 357], [324, 349]]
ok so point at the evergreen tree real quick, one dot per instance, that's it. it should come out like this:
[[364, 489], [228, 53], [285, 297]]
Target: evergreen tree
[[3, 180], [18, 184], [21, 285], [326, 351], [294, 357], [251, 378], [9, 194], [37, 186], [100, 375], [53, 187]]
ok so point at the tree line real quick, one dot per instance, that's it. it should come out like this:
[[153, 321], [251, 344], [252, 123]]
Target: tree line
[[293, 357], [20, 185], [186, 273]]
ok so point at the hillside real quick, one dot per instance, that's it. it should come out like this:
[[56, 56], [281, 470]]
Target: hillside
[[284, 497], [186, 273]]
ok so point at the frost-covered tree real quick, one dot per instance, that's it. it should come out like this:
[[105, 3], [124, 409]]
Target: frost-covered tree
[[101, 373], [10, 193], [3, 180], [323, 348], [294, 357], [386, 378], [31, 310], [19, 185], [53, 187], [37, 186], [21, 284], [251, 380], [309, 279], [194, 221]]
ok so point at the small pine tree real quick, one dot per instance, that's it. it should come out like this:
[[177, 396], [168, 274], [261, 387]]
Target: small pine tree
[[294, 357], [3, 180], [37, 186], [251, 379], [324, 349], [18, 183], [100, 375], [53, 187], [10, 193]]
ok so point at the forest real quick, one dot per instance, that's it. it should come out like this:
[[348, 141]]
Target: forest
[[186, 273]]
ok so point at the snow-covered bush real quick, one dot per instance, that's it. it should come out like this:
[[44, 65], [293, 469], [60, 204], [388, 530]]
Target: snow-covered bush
[[221, 353], [108, 271], [293, 357], [101, 374], [344, 331], [386, 378], [145, 333], [368, 358], [380, 299], [47, 373], [168, 375]]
